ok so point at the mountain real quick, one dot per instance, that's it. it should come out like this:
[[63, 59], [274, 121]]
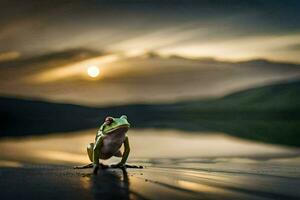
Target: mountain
[[268, 114], [276, 97]]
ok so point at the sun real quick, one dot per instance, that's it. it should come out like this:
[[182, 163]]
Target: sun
[[93, 71]]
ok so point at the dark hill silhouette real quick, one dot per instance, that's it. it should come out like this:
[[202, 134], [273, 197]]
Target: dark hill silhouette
[[268, 114]]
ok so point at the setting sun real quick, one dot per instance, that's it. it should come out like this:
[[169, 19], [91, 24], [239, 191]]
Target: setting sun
[[93, 71]]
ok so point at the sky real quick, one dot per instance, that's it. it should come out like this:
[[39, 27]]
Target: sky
[[228, 30]]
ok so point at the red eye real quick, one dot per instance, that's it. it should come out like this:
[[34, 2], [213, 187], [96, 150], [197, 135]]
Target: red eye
[[109, 120]]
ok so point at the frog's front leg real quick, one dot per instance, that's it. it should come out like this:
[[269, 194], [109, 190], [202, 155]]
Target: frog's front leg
[[90, 151], [96, 154], [125, 154]]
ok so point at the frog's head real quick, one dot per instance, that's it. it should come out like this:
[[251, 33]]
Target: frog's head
[[115, 125]]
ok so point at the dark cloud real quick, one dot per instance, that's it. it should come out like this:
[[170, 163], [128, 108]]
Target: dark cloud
[[292, 47], [34, 26]]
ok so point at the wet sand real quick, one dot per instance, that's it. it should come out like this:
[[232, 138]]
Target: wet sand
[[177, 166]]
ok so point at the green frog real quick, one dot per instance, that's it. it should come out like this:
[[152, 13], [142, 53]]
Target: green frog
[[109, 139]]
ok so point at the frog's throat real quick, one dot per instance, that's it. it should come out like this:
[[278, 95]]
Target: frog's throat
[[124, 127]]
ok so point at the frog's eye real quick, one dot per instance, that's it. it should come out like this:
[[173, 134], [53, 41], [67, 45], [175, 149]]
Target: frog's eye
[[124, 116], [109, 120]]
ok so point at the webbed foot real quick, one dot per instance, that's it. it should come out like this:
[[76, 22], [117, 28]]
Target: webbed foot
[[84, 166], [126, 166], [134, 166]]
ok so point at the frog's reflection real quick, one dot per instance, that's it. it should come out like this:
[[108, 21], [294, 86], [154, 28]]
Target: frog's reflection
[[110, 184]]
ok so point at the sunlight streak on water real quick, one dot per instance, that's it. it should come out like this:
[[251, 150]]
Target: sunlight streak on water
[[197, 187]]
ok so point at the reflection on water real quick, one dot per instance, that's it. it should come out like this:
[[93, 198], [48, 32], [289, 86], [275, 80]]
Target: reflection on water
[[70, 149], [197, 187], [85, 182], [110, 184], [113, 184]]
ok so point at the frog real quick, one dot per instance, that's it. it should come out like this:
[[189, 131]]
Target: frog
[[111, 135]]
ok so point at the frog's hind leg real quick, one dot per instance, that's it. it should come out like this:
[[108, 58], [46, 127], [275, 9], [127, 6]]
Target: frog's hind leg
[[90, 151]]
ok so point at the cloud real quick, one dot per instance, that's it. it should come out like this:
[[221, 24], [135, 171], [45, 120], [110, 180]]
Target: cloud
[[118, 25], [11, 55]]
